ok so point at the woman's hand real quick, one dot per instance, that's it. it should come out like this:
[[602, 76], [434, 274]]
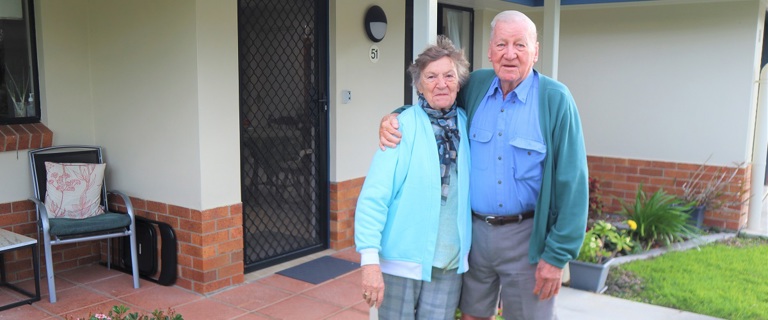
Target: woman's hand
[[373, 285], [388, 134]]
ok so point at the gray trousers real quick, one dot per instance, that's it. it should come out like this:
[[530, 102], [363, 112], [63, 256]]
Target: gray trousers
[[499, 268]]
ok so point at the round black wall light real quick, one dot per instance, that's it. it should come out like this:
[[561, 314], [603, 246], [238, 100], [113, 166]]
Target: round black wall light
[[375, 23]]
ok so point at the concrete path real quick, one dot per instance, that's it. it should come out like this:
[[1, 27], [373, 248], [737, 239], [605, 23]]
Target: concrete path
[[575, 304]]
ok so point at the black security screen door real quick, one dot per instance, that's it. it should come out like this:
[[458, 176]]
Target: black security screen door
[[283, 112]]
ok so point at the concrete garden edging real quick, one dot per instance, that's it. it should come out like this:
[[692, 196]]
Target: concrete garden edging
[[679, 246]]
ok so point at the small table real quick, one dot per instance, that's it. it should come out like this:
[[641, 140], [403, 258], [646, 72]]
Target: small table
[[10, 241]]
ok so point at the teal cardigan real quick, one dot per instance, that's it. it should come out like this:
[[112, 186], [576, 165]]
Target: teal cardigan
[[561, 210]]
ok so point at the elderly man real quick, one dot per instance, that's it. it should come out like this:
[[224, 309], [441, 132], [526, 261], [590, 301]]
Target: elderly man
[[528, 178]]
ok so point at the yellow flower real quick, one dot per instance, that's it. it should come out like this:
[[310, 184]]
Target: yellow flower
[[632, 224]]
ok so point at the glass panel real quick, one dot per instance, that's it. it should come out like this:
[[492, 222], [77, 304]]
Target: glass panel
[[457, 26], [18, 78]]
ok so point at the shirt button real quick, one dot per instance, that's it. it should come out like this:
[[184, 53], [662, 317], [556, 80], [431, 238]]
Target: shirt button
[[499, 181], [474, 135], [499, 134], [501, 205], [529, 153], [499, 157], [502, 110]]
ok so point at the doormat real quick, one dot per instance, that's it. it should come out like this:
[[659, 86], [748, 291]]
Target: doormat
[[320, 270]]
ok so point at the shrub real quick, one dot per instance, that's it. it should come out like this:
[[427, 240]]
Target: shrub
[[595, 200], [121, 313], [713, 189], [604, 241], [661, 218]]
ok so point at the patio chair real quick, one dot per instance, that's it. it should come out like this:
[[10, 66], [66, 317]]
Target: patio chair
[[72, 171]]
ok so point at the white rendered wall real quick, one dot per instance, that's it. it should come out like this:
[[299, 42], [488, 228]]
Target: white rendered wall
[[670, 83], [144, 69], [63, 59], [165, 90], [377, 88], [218, 103], [155, 83]]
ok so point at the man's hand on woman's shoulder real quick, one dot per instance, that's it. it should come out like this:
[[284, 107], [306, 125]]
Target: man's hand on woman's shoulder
[[389, 136]]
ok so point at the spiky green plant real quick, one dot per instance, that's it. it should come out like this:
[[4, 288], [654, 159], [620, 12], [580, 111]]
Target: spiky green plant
[[17, 90], [661, 218]]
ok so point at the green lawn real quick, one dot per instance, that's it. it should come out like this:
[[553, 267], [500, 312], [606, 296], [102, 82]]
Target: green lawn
[[724, 279]]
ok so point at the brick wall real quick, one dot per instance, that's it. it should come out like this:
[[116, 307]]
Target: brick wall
[[620, 178], [343, 202], [25, 136], [210, 243], [20, 217]]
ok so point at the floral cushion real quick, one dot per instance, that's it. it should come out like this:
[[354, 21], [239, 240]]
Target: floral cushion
[[73, 190]]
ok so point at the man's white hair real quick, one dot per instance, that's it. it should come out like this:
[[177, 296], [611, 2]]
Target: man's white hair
[[514, 16]]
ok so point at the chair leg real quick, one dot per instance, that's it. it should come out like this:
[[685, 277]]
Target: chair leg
[[109, 253], [134, 259], [49, 267]]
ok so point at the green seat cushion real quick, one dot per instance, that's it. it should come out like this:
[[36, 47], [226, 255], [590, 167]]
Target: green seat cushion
[[102, 222]]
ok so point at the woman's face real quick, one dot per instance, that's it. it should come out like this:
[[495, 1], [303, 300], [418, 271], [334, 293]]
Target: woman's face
[[439, 83]]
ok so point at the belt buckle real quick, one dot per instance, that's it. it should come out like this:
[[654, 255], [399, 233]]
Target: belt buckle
[[519, 218], [489, 220]]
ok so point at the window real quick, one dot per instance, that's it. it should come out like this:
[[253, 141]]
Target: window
[[765, 47], [456, 23], [19, 89]]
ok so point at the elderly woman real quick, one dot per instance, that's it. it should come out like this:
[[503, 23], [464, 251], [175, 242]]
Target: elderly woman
[[412, 224]]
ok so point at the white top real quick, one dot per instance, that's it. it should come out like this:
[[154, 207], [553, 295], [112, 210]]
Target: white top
[[10, 240]]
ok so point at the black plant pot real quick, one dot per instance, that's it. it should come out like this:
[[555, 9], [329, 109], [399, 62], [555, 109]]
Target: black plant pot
[[697, 215]]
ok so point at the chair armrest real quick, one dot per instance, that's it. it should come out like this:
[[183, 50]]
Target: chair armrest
[[127, 200], [42, 213]]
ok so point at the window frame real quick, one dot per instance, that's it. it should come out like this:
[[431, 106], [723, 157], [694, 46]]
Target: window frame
[[28, 14], [441, 25]]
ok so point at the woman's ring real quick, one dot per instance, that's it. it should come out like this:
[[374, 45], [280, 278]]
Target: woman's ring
[[365, 295]]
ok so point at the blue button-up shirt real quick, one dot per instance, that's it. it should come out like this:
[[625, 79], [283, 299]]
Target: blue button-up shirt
[[507, 150]]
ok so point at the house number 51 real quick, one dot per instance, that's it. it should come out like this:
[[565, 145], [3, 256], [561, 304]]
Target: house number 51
[[373, 54]]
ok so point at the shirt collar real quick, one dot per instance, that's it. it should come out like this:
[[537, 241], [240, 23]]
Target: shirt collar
[[521, 91]]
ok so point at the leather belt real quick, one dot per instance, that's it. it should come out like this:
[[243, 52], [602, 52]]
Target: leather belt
[[502, 220]]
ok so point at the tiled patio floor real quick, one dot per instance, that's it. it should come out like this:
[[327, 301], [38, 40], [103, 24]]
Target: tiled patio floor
[[264, 295]]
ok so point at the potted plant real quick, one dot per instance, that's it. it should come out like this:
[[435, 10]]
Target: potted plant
[[711, 189], [601, 244], [19, 92]]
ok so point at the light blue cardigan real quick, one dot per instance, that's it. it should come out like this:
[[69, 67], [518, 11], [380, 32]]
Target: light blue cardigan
[[398, 210]]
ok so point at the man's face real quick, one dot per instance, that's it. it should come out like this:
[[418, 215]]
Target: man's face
[[513, 50]]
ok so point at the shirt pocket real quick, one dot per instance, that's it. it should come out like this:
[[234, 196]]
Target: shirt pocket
[[481, 138], [528, 156]]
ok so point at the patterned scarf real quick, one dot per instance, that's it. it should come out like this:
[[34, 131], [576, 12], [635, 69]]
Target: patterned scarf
[[447, 136]]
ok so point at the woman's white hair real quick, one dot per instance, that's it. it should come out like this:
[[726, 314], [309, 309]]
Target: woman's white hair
[[442, 48]]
